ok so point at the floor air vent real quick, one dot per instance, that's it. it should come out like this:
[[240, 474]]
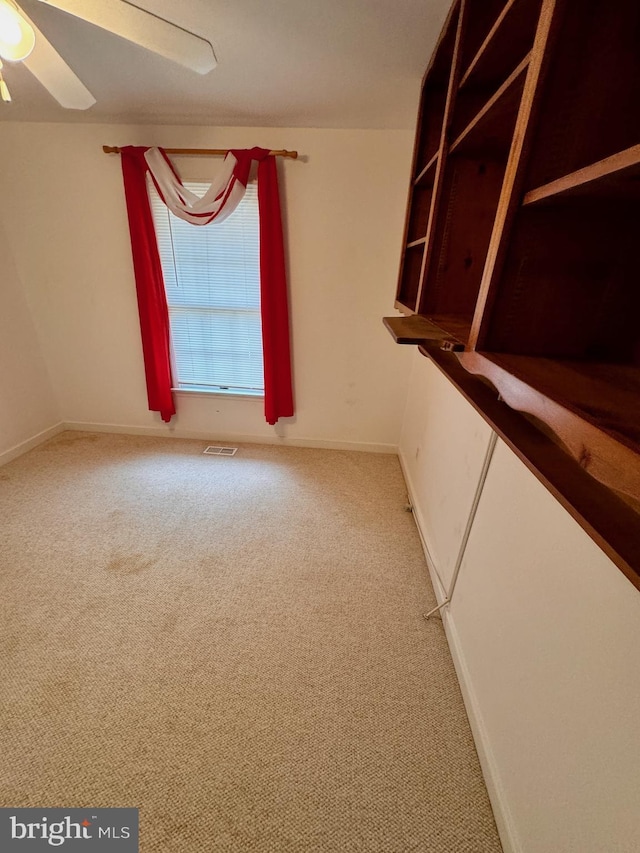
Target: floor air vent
[[212, 450]]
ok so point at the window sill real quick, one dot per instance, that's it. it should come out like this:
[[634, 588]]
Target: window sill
[[202, 392]]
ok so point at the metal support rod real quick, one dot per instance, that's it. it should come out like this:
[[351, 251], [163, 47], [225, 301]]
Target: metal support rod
[[472, 514], [435, 609]]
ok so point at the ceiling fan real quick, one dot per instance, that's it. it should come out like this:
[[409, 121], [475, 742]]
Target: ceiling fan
[[22, 41]]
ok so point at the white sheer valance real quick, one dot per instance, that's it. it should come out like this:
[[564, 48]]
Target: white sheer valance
[[218, 203]]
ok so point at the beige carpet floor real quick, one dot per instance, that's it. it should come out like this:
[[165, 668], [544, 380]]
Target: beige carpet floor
[[233, 645]]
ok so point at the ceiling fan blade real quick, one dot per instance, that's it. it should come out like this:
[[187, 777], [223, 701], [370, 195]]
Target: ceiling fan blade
[[50, 69], [144, 28]]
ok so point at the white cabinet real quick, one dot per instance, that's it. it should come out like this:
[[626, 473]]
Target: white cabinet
[[442, 449]]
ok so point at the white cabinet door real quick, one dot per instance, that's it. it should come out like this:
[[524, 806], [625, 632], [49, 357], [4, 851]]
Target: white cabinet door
[[442, 449], [548, 630]]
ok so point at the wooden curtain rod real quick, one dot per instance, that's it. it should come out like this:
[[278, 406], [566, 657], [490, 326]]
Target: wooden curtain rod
[[204, 152]]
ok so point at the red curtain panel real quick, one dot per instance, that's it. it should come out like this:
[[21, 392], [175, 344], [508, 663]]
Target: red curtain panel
[[152, 304]]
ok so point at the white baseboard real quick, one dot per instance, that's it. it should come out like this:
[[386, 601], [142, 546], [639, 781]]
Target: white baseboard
[[18, 449], [501, 811], [438, 584], [235, 438]]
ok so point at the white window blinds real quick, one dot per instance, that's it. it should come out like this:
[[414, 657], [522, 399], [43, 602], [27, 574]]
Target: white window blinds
[[212, 280]]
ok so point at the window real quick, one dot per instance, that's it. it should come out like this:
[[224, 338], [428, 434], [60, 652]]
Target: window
[[212, 281]]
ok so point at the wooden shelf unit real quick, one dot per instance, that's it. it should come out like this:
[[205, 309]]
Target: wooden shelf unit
[[589, 111], [428, 147], [527, 218], [490, 129], [508, 40]]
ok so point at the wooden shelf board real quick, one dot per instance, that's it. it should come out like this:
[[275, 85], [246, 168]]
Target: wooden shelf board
[[592, 408], [424, 177], [498, 105], [486, 44], [612, 522], [415, 329], [617, 177], [456, 325], [577, 384]]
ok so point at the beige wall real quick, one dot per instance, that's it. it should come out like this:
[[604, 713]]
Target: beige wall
[[344, 204], [27, 406], [543, 629]]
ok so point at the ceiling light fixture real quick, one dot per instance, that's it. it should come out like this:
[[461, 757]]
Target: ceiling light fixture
[[5, 94], [17, 37], [22, 41]]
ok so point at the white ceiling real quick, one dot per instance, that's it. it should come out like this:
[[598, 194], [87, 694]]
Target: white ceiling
[[281, 63]]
